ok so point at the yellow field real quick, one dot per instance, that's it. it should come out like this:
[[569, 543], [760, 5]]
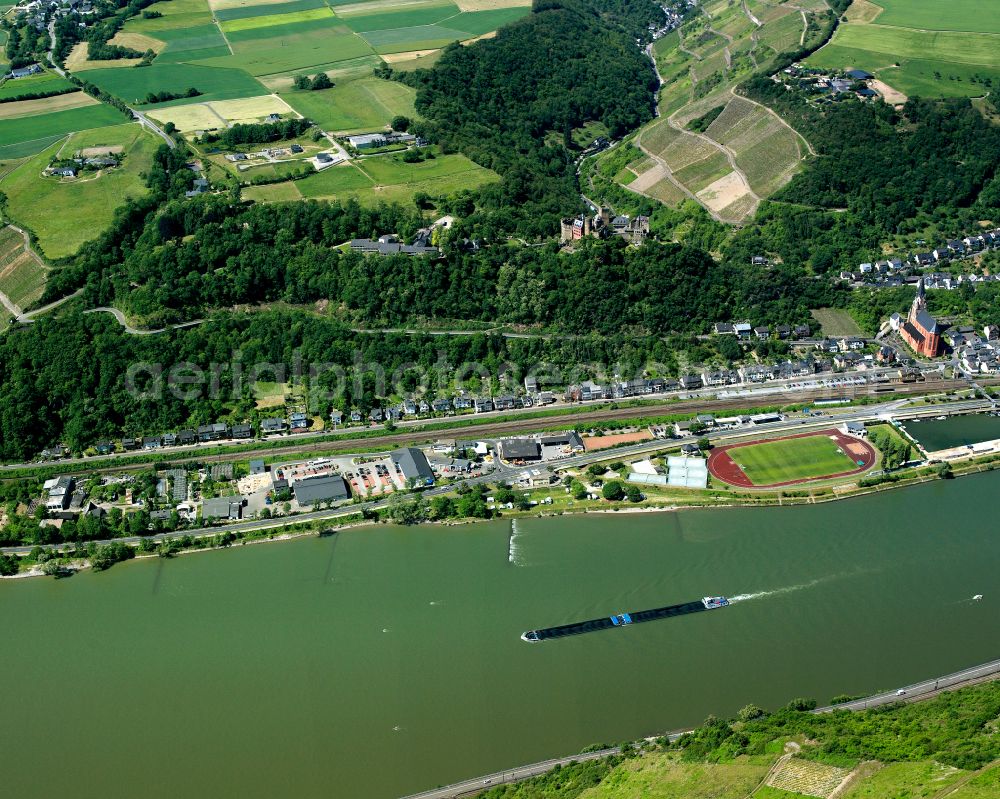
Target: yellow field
[[45, 105], [373, 6], [410, 55], [490, 5], [222, 113], [268, 20], [77, 60], [138, 41]]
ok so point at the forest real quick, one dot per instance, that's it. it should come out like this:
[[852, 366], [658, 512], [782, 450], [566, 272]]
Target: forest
[[510, 103]]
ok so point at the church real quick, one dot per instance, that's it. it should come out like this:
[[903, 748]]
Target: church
[[921, 330]]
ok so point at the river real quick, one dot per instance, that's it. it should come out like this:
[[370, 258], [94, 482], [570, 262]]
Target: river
[[955, 431], [382, 661]]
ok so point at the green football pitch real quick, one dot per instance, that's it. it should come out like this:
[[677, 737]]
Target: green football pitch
[[791, 459]]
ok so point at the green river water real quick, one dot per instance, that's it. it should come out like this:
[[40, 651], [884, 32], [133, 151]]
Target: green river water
[[383, 661], [955, 431]]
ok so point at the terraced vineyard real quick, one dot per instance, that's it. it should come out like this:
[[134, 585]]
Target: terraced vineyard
[[22, 277], [747, 153]]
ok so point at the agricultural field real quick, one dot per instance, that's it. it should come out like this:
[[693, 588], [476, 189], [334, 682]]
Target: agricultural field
[[27, 134], [221, 113], [380, 178], [132, 85], [920, 47], [699, 68], [354, 105], [63, 213], [22, 277], [34, 84]]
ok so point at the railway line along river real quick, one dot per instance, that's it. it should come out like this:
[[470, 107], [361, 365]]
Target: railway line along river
[[382, 661]]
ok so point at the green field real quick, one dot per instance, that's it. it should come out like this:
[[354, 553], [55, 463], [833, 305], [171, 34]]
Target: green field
[[424, 37], [836, 322], [666, 776], [186, 40], [380, 179], [176, 14], [403, 18], [938, 49], [772, 462], [367, 103], [132, 84], [300, 51], [29, 129], [267, 9], [273, 20], [46, 82], [955, 15], [64, 214]]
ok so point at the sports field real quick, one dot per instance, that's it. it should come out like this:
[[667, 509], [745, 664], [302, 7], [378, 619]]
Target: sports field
[[795, 459]]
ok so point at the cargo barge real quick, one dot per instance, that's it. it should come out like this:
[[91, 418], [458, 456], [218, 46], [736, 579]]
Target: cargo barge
[[624, 619]]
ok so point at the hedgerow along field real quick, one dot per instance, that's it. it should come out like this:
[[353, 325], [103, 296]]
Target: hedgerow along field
[[34, 84], [63, 213]]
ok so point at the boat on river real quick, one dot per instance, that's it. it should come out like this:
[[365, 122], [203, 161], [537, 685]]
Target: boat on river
[[624, 619]]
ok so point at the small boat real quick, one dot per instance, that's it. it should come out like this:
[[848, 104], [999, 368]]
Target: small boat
[[977, 597], [712, 602]]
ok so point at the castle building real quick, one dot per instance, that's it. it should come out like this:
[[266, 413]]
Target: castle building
[[921, 330]]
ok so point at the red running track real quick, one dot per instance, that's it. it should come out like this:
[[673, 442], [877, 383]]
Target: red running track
[[724, 468]]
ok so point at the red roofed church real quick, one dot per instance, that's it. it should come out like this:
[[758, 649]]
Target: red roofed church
[[921, 330]]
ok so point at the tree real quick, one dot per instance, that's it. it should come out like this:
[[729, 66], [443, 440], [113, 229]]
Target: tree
[[578, 489], [322, 81], [613, 490], [8, 565], [302, 82], [442, 508], [801, 705], [633, 494], [749, 713], [704, 444], [400, 123], [944, 471]]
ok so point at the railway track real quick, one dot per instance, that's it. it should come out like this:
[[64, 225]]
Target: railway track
[[513, 426]]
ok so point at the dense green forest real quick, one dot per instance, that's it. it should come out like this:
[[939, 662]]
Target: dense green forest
[[567, 63], [82, 399], [883, 172], [191, 257]]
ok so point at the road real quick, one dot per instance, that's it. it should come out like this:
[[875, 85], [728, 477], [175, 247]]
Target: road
[[911, 693], [508, 473], [135, 331], [779, 393]]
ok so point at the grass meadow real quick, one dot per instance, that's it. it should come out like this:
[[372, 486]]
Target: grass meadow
[[64, 213], [367, 103], [25, 130]]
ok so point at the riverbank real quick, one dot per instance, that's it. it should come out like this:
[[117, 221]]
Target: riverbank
[[834, 599], [822, 493]]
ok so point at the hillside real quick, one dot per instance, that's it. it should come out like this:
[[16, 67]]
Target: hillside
[[710, 146], [948, 746]]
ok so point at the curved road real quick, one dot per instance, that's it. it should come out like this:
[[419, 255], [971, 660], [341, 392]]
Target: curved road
[[135, 331]]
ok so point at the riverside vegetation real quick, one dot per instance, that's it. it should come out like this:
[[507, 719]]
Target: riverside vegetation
[[951, 735]]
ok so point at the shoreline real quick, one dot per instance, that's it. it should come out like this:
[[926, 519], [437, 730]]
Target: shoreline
[[970, 468]]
